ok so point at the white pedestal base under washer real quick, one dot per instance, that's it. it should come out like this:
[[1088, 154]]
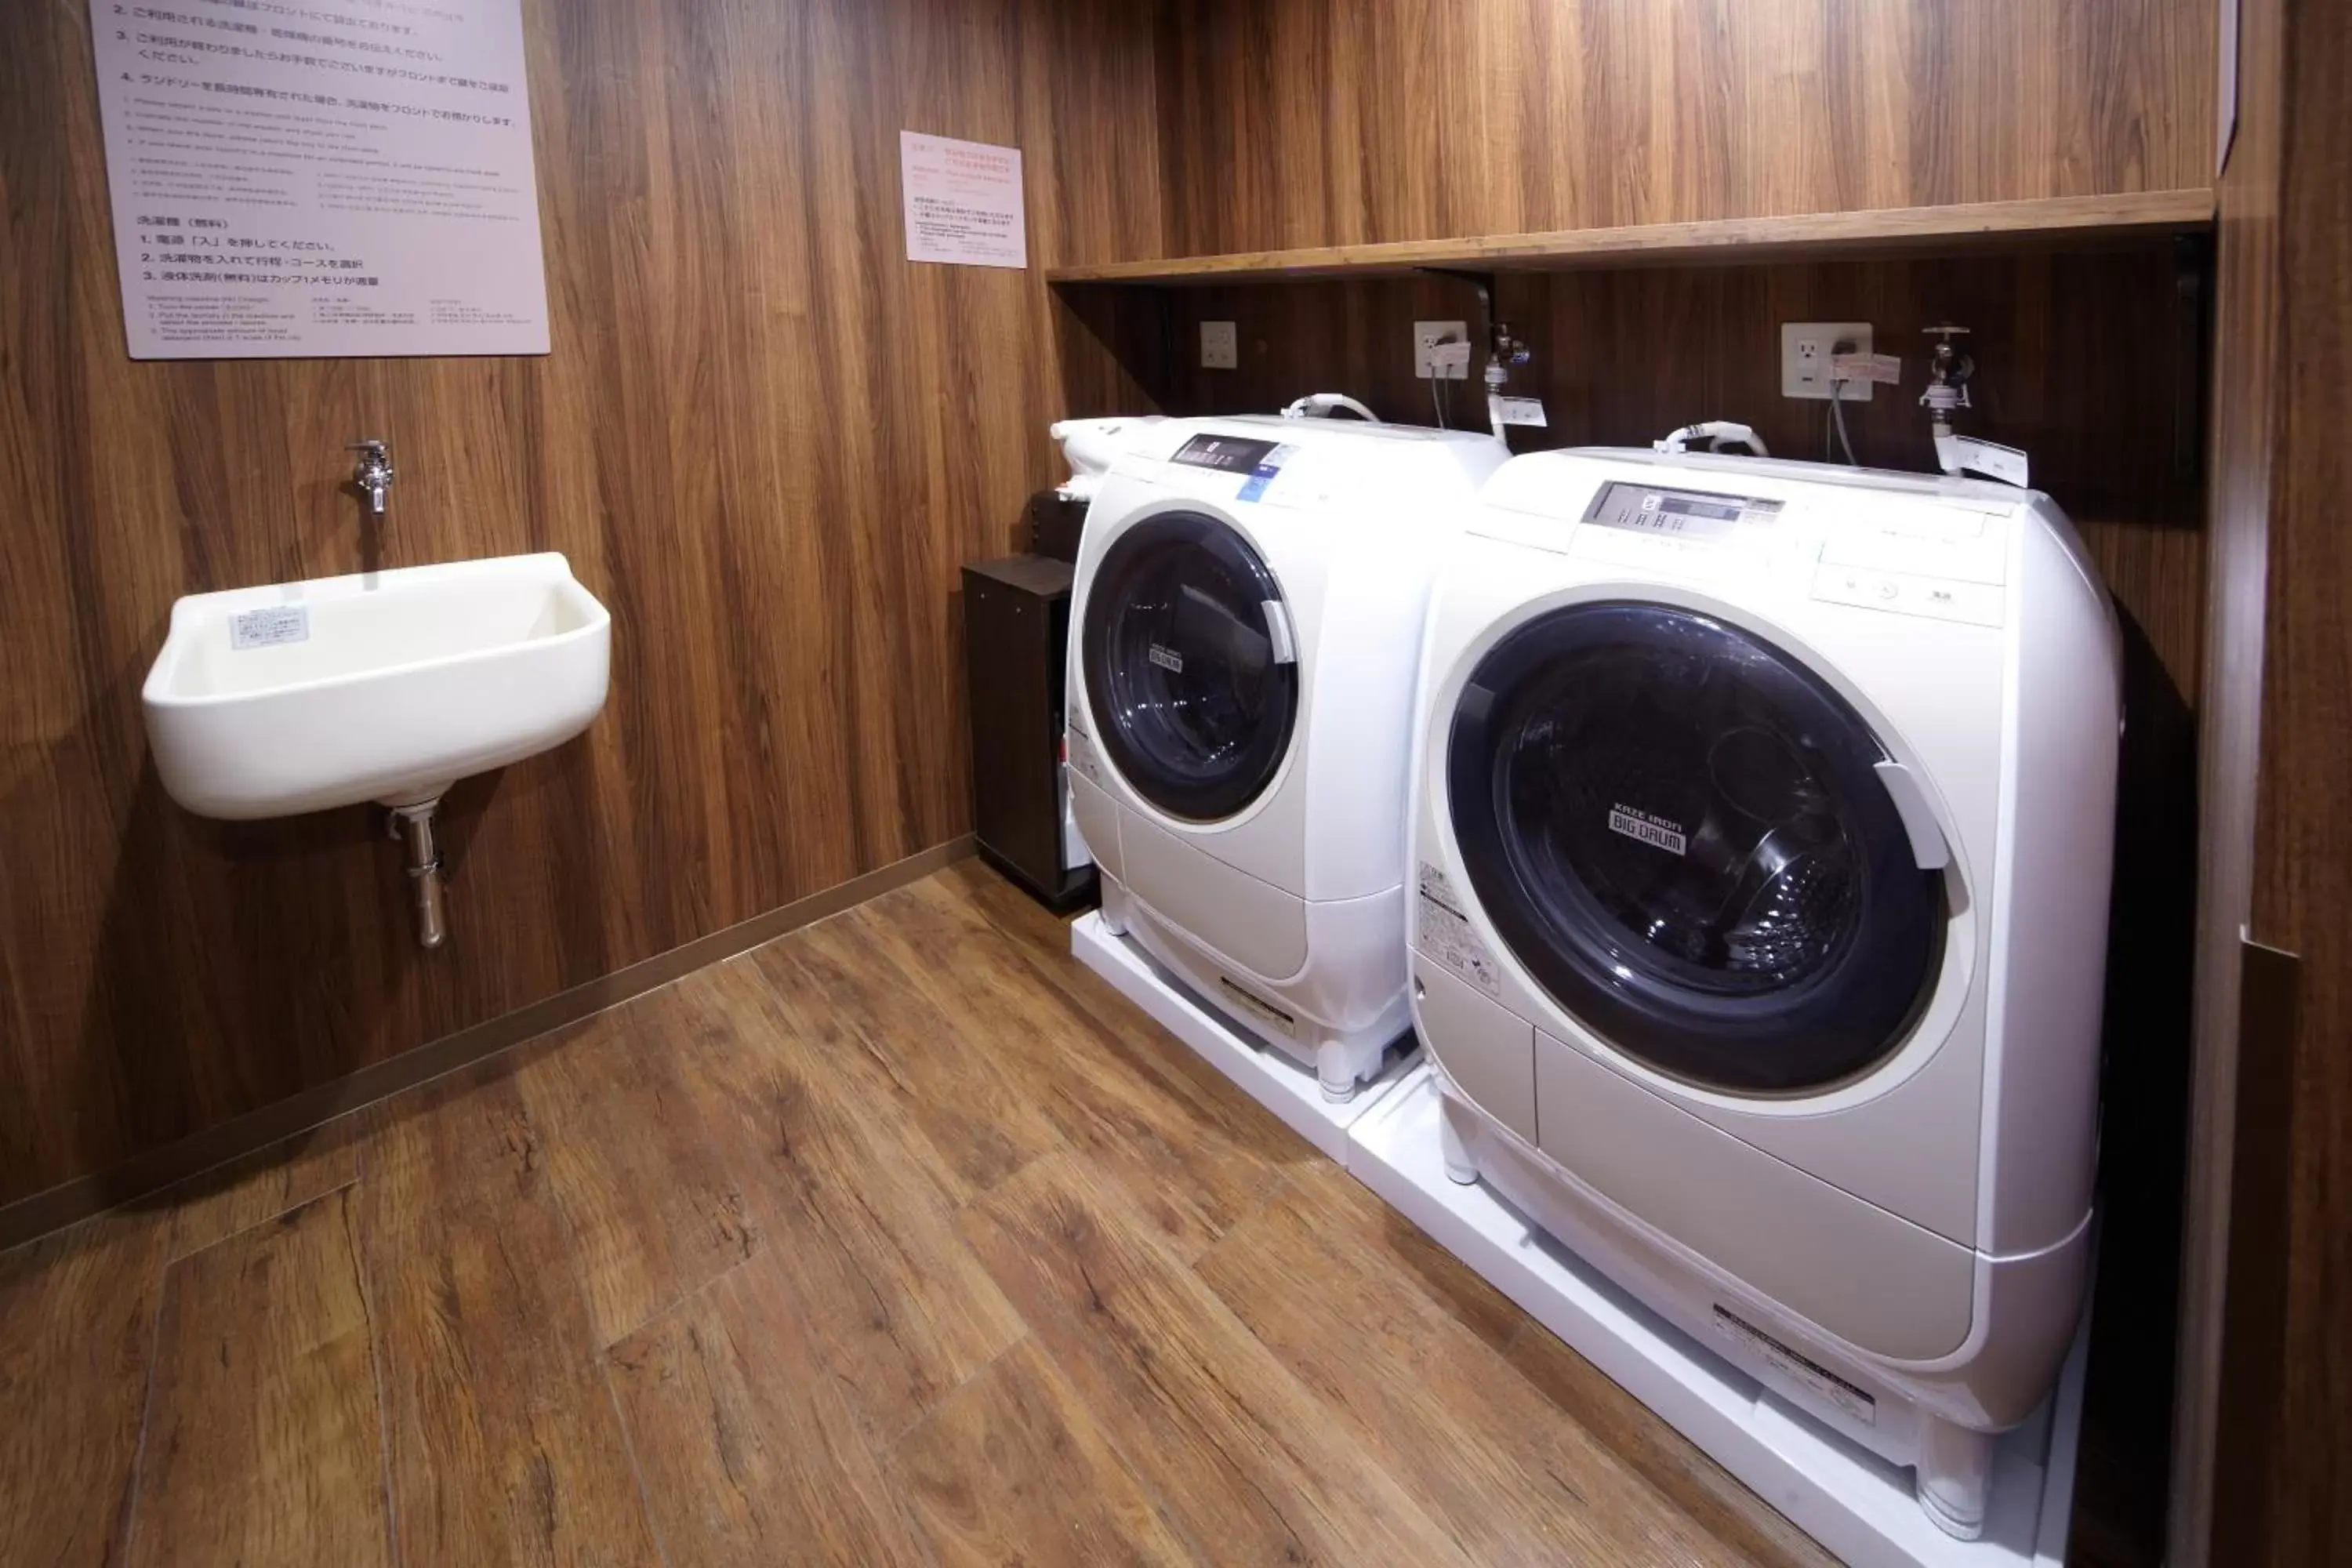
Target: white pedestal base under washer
[[1762, 830], [1244, 633]]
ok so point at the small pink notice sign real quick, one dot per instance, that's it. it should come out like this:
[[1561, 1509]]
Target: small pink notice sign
[[963, 201]]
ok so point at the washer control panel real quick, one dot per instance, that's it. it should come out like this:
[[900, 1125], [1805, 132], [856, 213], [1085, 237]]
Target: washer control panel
[[1899, 545], [1948, 563], [1940, 598]]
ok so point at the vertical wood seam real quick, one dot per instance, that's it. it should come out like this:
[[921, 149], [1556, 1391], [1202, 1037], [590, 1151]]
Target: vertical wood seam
[[130, 1523], [603, 1359], [363, 1249]]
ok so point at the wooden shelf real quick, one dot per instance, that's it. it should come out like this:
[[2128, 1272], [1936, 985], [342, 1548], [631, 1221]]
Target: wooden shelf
[[1724, 241]]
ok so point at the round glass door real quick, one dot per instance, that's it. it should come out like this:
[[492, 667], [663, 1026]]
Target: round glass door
[[1190, 675], [1678, 828]]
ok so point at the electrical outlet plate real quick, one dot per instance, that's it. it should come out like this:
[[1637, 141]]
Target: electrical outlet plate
[[1220, 346], [1805, 349], [1426, 336]]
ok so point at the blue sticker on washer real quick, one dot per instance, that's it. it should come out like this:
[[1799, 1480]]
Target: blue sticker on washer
[[1253, 487]]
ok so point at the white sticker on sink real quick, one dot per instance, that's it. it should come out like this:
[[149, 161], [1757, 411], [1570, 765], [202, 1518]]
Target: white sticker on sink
[[270, 626]]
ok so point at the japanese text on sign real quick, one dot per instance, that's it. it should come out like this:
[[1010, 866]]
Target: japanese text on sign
[[346, 177], [963, 201]]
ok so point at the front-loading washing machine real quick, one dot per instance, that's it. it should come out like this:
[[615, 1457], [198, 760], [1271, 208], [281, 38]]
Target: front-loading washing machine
[[1762, 830], [1244, 632]]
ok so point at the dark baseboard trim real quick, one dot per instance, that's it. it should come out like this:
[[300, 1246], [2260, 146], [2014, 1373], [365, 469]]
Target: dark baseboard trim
[[142, 1175]]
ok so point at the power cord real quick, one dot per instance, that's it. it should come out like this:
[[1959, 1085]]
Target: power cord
[[1837, 407]]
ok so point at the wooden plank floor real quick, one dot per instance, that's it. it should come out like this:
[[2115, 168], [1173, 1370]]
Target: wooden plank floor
[[902, 1239]]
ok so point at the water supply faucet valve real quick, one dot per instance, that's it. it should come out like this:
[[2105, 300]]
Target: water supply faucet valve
[[372, 472], [1949, 371]]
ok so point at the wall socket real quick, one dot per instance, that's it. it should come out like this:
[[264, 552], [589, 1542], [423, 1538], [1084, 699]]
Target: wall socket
[[1805, 352], [1220, 346], [1427, 336]]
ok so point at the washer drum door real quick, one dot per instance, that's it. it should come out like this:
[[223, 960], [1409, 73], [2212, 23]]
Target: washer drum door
[[1191, 668], [1679, 829]]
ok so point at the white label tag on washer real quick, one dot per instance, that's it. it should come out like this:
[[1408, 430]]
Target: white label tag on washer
[[270, 626], [1515, 410], [1797, 1368], [1443, 932], [1992, 459], [1655, 831]]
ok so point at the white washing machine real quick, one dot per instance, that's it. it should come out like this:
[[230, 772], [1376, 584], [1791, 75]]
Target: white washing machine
[[1245, 634], [1762, 827]]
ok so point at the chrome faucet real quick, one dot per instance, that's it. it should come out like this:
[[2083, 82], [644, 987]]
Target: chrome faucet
[[372, 473]]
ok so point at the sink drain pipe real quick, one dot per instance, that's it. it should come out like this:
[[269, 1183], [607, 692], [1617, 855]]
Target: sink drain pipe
[[413, 826]]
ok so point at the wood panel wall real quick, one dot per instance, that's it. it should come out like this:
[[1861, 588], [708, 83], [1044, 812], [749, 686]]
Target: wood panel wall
[[762, 438], [1327, 122], [2302, 841], [2217, 1474], [2272, 1423]]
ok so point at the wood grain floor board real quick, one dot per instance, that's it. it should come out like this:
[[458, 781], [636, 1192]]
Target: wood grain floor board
[[654, 1212], [261, 1187], [989, 896], [1344, 1300], [1043, 938], [1249, 1462], [750, 1452], [264, 1441], [1014, 1469], [984, 898], [466, 1137], [885, 1243], [1695, 1484], [78, 1318], [504, 1445], [867, 1250], [1192, 1152], [1036, 1037], [976, 897], [937, 1065]]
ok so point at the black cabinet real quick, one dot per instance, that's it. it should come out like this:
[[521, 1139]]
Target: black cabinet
[[1056, 522], [1017, 623]]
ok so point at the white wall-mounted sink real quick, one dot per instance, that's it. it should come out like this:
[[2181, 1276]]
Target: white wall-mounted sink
[[386, 687]]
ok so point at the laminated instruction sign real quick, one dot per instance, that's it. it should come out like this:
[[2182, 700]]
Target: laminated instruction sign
[[963, 202], [301, 178]]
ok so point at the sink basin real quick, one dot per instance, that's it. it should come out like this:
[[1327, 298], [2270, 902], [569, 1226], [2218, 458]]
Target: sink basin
[[386, 687]]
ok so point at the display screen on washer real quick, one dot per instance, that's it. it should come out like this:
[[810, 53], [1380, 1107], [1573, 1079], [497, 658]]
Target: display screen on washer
[[1190, 673], [1678, 829], [1226, 454], [1688, 514]]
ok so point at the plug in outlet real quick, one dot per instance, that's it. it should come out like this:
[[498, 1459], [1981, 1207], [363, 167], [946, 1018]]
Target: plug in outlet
[[1806, 348], [1220, 347], [1441, 349]]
